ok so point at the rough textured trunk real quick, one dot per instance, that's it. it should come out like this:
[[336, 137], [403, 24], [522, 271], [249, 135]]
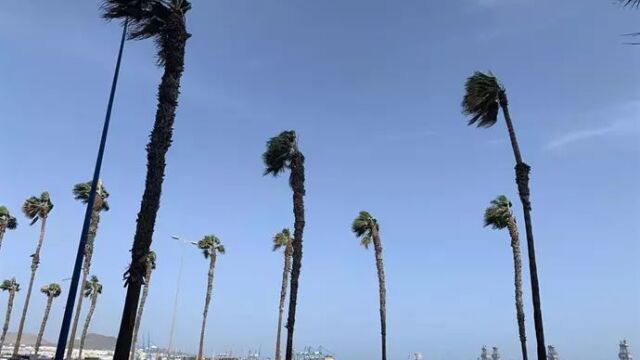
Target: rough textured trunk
[[88, 254], [45, 318], [297, 185], [143, 299], [377, 244], [35, 260], [207, 300], [85, 329], [7, 318], [517, 282], [283, 296], [522, 180], [172, 46]]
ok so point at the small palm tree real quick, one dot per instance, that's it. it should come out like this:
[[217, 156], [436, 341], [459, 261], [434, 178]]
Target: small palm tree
[[367, 230], [164, 21], [283, 240], [51, 291], [484, 97], [12, 287], [283, 154], [211, 247], [34, 208], [499, 216], [81, 192], [7, 222], [92, 289], [151, 265]]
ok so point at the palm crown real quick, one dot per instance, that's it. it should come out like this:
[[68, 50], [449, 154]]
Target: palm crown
[[81, 192], [51, 290], [10, 285], [92, 287], [151, 259], [280, 151], [363, 226], [498, 214], [147, 18], [634, 3], [36, 208], [6, 220], [209, 245], [282, 239], [482, 98]]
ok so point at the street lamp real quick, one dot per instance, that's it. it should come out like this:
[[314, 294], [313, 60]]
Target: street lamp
[[175, 302]]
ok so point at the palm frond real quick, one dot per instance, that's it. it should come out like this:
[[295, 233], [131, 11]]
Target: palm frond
[[280, 151], [281, 239], [363, 226], [35, 208], [51, 290], [82, 191], [6, 220], [481, 100], [632, 3], [151, 259], [10, 285], [499, 213], [210, 244]]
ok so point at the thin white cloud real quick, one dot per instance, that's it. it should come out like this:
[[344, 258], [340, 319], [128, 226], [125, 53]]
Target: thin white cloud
[[625, 122]]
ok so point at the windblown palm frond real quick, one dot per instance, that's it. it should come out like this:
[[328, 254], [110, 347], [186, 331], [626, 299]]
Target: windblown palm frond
[[282, 239], [280, 150], [36, 208], [363, 226], [210, 244], [81, 192], [498, 214], [482, 97], [151, 259], [92, 287], [632, 3], [10, 285], [6, 220], [51, 290]]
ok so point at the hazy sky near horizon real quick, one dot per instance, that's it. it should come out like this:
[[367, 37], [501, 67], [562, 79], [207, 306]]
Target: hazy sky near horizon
[[373, 89]]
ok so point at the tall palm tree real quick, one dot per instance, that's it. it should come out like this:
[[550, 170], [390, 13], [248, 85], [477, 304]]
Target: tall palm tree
[[211, 247], [81, 192], [367, 229], [484, 97], [283, 240], [283, 154], [151, 265], [51, 291], [12, 287], [164, 21], [7, 222], [499, 216], [92, 289], [34, 208]]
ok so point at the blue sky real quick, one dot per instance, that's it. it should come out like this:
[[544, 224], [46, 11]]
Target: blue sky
[[373, 89]]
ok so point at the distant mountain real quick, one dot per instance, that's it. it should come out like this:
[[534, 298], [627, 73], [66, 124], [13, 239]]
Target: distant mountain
[[93, 341]]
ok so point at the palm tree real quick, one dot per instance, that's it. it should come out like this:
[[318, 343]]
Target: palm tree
[[34, 208], [284, 240], [151, 265], [499, 216], [51, 291], [484, 97], [164, 21], [92, 289], [367, 229], [283, 153], [12, 287], [7, 222], [81, 192], [210, 246], [633, 4]]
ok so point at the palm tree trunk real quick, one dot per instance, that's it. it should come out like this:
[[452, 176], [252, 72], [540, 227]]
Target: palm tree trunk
[[86, 268], [85, 329], [173, 45], [207, 300], [35, 260], [2, 231], [377, 244], [283, 296], [517, 282], [297, 185], [145, 292], [522, 180], [43, 324], [7, 318]]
